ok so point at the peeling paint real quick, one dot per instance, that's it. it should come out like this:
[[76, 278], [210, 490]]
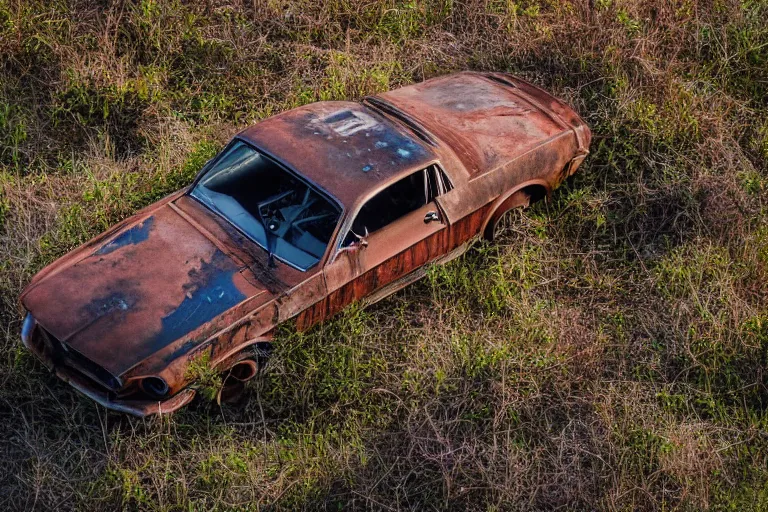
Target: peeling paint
[[120, 297], [348, 122], [209, 292], [135, 235]]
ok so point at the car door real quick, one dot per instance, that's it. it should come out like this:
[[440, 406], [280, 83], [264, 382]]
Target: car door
[[392, 236]]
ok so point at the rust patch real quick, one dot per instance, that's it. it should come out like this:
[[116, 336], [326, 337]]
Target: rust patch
[[346, 148], [488, 123]]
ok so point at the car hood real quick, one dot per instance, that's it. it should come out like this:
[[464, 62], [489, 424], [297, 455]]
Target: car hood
[[153, 282]]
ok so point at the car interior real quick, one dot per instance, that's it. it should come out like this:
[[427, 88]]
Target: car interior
[[278, 210]]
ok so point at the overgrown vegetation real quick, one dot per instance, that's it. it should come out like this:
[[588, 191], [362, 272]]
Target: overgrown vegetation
[[609, 354]]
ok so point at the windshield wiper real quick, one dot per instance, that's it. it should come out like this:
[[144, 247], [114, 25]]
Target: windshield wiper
[[271, 239]]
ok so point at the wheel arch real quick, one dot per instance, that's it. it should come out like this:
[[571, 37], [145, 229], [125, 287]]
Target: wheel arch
[[247, 349], [523, 195]]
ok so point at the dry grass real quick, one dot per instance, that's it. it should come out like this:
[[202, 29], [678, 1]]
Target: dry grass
[[609, 354]]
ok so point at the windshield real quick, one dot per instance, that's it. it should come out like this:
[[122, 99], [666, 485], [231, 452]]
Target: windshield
[[277, 210]]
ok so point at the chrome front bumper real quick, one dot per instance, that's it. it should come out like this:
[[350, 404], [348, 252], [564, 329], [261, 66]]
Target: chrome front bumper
[[91, 388]]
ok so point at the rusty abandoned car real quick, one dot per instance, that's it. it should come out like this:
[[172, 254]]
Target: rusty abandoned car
[[299, 216]]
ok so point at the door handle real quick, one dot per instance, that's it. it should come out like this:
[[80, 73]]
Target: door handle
[[431, 217]]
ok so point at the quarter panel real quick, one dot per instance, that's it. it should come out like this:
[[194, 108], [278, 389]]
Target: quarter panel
[[543, 163]]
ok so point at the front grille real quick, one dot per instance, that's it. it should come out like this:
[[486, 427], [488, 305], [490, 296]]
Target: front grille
[[63, 354]]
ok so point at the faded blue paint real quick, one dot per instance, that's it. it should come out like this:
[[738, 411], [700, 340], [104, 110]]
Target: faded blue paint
[[132, 236], [119, 298], [341, 115], [210, 292], [397, 146], [367, 168]]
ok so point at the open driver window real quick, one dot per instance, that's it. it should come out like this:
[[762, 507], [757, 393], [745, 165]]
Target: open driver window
[[397, 200]]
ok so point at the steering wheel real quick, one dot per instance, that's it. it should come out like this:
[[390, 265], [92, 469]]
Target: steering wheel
[[293, 214], [272, 216], [297, 223]]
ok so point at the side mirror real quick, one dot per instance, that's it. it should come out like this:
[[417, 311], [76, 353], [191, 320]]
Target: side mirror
[[362, 240]]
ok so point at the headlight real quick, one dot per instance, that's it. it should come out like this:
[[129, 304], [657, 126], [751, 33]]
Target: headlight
[[154, 386]]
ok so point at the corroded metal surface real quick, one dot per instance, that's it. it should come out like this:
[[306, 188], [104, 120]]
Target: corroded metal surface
[[150, 285], [176, 282], [485, 122], [344, 146]]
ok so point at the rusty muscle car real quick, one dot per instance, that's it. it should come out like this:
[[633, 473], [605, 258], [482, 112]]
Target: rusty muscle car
[[299, 216]]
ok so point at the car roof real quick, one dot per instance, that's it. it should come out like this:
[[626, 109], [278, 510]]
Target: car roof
[[346, 148]]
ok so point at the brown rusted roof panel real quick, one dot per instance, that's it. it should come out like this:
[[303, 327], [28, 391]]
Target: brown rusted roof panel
[[344, 147]]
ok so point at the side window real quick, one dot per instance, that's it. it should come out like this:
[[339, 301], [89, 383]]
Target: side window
[[397, 200], [437, 182], [444, 184]]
